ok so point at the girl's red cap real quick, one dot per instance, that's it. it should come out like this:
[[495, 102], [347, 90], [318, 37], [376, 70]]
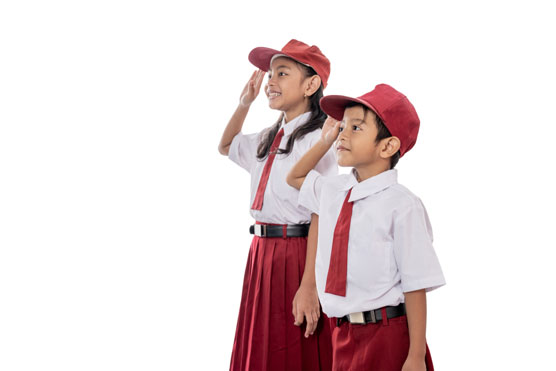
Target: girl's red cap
[[298, 51], [395, 110]]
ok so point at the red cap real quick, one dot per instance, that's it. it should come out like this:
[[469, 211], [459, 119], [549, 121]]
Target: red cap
[[298, 51], [395, 110]]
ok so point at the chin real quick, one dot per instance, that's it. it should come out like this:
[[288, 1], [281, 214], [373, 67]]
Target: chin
[[343, 160], [274, 105], [344, 163]]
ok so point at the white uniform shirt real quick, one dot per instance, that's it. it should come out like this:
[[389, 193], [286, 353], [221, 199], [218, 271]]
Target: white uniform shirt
[[280, 204], [390, 241]]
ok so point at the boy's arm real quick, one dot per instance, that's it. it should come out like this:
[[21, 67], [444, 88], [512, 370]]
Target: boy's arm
[[299, 171], [416, 308]]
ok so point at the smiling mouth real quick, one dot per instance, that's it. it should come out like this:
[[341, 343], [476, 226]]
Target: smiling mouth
[[341, 148], [273, 95]]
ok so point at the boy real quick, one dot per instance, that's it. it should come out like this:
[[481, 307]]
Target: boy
[[375, 259]]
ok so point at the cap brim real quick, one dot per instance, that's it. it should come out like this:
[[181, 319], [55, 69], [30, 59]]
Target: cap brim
[[261, 57], [335, 105]]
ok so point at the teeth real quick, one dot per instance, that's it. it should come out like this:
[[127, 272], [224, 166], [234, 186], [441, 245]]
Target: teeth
[[274, 94]]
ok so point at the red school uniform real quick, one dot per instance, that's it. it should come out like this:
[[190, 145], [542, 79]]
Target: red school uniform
[[266, 337]]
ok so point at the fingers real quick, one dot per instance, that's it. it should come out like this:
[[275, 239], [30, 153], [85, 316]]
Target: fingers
[[255, 82], [260, 78], [298, 317], [330, 120], [312, 323], [255, 75], [252, 78], [331, 132]]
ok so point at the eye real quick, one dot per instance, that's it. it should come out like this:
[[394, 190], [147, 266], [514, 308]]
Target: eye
[[341, 129], [356, 128], [281, 74]]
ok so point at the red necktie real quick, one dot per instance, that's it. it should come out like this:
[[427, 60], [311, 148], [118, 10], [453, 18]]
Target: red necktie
[[337, 270], [259, 197]]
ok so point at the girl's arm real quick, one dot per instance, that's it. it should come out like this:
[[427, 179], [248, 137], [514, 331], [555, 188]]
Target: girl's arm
[[416, 308], [299, 171], [306, 301], [248, 95]]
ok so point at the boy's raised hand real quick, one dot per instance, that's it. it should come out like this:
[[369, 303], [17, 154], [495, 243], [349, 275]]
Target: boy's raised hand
[[330, 131], [252, 88]]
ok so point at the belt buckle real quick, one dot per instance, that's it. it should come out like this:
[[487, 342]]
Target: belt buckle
[[260, 230], [356, 318]]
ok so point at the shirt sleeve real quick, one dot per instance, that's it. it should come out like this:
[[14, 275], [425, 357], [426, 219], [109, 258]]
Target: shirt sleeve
[[243, 150], [309, 194], [415, 256], [328, 164]]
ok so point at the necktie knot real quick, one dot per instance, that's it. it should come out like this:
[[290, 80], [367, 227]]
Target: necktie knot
[[277, 140]]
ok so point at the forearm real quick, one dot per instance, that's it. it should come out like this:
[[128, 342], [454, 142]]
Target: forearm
[[299, 171], [416, 307], [312, 239], [232, 129]]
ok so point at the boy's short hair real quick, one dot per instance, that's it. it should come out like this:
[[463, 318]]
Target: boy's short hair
[[382, 133], [395, 110]]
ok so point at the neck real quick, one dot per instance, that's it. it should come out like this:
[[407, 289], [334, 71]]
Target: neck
[[365, 172], [292, 113]]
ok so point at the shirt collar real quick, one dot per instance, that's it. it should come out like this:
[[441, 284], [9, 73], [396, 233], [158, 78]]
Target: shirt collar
[[370, 186], [295, 123]]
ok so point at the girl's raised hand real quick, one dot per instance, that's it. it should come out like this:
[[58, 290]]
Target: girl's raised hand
[[330, 131], [252, 88]]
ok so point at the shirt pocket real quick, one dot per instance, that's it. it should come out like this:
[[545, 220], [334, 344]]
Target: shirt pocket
[[372, 265]]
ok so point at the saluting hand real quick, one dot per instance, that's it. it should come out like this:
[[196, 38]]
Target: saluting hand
[[252, 88], [330, 131]]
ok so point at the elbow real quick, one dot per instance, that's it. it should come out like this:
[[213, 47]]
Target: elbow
[[290, 180], [293, 181], [223, 150]]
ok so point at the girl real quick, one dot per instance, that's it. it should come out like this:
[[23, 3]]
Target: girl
[[280, 266]]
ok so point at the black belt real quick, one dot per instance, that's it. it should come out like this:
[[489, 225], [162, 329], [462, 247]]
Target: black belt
[[371, 316], [264, 230]]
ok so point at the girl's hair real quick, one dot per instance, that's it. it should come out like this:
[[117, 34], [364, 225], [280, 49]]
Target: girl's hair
[[315, 122], [383, 132]]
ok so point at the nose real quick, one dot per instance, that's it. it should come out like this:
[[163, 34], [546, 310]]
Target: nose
[[343, 134], [272, 80]]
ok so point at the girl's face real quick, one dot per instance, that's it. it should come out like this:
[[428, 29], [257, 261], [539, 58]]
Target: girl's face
[[356, 145], [286, 87]]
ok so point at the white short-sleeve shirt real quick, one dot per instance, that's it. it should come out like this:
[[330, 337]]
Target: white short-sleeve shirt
[[280, 205], [390, 241]]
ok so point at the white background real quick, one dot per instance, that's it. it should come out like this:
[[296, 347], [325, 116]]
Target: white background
[[123, 232]]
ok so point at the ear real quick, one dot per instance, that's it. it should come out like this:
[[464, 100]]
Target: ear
[[389, 147], [312, 85]]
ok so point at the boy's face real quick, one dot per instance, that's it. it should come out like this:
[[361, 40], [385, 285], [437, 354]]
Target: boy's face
[[356, 145]]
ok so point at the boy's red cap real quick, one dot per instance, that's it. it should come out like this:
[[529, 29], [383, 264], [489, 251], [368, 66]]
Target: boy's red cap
[[395, 110], [298, 51]]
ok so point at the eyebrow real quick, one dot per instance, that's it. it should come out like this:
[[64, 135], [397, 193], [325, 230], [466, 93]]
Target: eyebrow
[[283, 66], [360, 121]]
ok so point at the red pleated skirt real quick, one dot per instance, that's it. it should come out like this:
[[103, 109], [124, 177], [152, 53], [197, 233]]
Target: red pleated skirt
[[266, 338], [382, 346]]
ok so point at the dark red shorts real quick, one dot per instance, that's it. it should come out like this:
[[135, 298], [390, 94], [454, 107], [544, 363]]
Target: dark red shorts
[[382, 346]]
